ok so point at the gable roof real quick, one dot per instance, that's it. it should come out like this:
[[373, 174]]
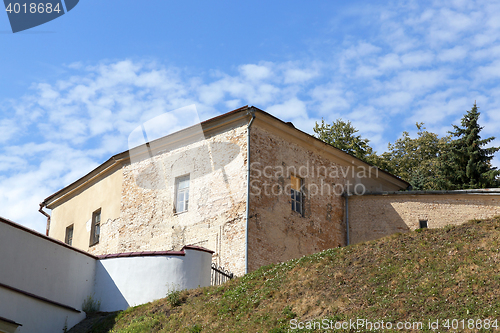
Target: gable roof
[[213, 124]]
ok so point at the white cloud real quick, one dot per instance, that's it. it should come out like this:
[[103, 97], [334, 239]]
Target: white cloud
[[298, 72], [395, 99], [293, 108], [367, 119], [12, 163], [8, 129], [487, 53], [233, 103], [367, 71], [255, 72], [418, 81], [488, 72], [490, 119], [330, 98], [435, 110], [39, 170], [389, 62], [418, 58], [481, 40], [453, 54]]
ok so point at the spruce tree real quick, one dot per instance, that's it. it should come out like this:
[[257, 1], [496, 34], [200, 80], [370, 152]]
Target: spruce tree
[[468, 163]]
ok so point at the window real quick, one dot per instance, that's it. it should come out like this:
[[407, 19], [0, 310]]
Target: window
[[297, 195], [182, 194], [96, 227], [422, 224], [69, 235]]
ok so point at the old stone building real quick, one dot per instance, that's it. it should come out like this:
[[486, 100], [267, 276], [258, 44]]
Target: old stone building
[[185, 190], [251, 188]]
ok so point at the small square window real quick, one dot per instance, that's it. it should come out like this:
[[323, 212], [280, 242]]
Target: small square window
[[422, 224], [96, 227], [68, 239], [181, 194], [297, 195]]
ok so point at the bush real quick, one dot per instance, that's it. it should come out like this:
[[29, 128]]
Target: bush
[[90, 305], [174, 298]]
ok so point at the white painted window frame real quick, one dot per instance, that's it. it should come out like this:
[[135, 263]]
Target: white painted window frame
[[182, 193]]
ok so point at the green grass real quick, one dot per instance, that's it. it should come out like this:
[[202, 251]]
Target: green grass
[[449, 273]]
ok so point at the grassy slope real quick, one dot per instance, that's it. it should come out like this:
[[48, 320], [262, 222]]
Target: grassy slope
[[428, 274]]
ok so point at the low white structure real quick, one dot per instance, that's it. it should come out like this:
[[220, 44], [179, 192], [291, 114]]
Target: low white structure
[[130, 279], [44, 282]]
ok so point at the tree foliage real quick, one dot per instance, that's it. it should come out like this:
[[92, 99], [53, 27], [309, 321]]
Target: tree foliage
[[342, 135], [428, 162], [418, 161], [467, 163]]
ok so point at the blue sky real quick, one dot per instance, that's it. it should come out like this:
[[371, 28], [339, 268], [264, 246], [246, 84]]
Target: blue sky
[[73, 89]]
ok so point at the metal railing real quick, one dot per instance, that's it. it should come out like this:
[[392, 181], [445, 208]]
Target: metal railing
[[220, 275]]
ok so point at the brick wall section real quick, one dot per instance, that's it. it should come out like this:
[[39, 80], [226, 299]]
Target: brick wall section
[[276, 233], [376, 216], [216, 215]]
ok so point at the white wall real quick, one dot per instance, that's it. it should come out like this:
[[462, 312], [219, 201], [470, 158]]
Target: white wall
[[46, 268], [35, 265], [35, 315], [129, 281]]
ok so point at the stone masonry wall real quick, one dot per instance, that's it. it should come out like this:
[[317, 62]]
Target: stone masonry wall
[[276, 233], [216, 215], [376, 216]]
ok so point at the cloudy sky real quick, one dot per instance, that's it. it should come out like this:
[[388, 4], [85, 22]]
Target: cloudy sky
[[73, 89]]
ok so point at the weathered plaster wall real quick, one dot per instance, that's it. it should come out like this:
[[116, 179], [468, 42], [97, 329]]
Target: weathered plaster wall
[[216, 215], [105, 192], [276, 233], [375, 216]]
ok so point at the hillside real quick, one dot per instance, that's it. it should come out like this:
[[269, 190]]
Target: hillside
[[429, 274]]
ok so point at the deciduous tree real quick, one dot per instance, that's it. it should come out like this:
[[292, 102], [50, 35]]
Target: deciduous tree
[[342, 135], [417, 160]]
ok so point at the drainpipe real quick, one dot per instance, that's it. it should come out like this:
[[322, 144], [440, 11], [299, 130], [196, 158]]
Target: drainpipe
[[47, 216], [248, 188], [346, 196]]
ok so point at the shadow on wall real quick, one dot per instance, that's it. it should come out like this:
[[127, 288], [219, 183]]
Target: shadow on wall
[[287, 235], [367, 224], [107, 292]]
